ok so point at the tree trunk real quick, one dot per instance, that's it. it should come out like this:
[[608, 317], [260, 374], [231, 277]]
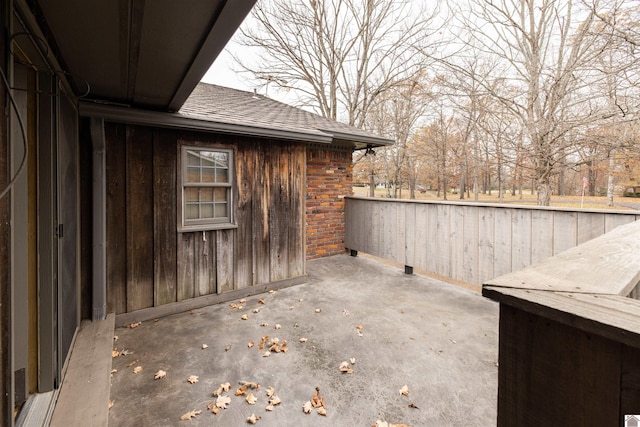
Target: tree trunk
[[610, 181], [372, 184], [544, 192]]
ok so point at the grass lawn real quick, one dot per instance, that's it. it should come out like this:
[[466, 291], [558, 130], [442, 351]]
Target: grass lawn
[[597, 202]]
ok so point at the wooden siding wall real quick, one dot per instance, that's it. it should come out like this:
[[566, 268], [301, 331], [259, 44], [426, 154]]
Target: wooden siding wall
[[471, 243], [150, 264]]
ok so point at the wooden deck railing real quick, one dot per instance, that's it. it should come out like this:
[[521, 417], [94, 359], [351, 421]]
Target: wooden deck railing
[[570, 335], [470, 242]]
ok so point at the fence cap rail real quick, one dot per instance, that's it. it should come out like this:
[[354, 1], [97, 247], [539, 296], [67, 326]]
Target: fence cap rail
[[586, 286]]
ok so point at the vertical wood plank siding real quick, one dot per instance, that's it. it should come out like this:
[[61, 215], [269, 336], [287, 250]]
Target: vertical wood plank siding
[[150, 264], [469, 242]]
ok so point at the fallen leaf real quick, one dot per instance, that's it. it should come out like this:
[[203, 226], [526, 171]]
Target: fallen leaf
[[266, 354], [135, 325], [132, 363], [275, 401], [111, 403], [115, 353], [269, 408], [270, 391], [318, 310], [261, 301], [190, 414], [307, 408], [115, 338], [253, 419], [137, 369], [159, 375], [278, 326], [223, 387], [251, 384], [251, 399], [411, 405], [125, 352], [204, 346], [317, 400], [322, 411], [223, 401], [272, 292], [344, 368], [358, 326], [243, 301], [345, 312], [303, 340], [359, 333], [192, 379], [241, 391], [250, 344], [264, 324], [245, 317], [352, 360], [213, 408], [114, 371], [228, 347], [404, 390], [256, 310]]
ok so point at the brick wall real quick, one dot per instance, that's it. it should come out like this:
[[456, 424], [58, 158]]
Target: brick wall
[[329, 179]]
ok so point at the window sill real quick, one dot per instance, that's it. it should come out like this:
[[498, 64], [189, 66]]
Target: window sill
[[205, 227]]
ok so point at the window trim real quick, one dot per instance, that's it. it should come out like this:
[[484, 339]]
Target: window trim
[[206, 224]]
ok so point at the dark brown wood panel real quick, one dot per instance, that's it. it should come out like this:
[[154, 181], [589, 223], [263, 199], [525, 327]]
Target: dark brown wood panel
[[552, 374], [165, 221], [205, 262], [140, 253], [630, 382], [297, 185], [245, 174], [261, 199], [115, 135], [280, 216], [224, 260], [186, 266]]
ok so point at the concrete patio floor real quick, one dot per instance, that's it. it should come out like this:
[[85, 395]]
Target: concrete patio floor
[[439, 340]]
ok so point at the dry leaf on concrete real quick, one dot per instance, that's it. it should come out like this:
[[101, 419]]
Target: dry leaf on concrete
[[270, 391], [261, 301], [115, 353], [345, 369], [307, 408], [404, 390], [269, 408], [133, 362], [192, 379], [274, 401], [137, 369], [134, 325], [190, 414], [223, 401], [352, 360], [251, 399], [223, 387], [318, 401], [204, 346], [159, 375], [244, 317], [253, 419], [322, 411], [303, 340]]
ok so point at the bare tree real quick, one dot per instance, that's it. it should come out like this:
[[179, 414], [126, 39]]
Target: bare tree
[[340, 55], [548, 51]]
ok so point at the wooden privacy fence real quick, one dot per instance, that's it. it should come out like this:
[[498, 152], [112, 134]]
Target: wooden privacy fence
[[471, 242]]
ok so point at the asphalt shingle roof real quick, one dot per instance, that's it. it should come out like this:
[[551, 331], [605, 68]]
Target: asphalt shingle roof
[[253, 111]]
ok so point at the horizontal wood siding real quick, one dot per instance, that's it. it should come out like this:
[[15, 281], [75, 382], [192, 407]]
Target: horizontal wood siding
[[150, 264], [471, 243]]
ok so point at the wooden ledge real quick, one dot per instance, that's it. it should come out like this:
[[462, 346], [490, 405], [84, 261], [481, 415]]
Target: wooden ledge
[[84, 395]]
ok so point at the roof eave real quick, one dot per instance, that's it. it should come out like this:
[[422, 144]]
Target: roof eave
[[178, 121]]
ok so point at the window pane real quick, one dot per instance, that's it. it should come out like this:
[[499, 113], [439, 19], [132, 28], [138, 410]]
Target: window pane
[[221, 159], [222, 175], [206, 194], [193, 174], [221, 210], [191, 194], [206, 210], [220, 194], [191, 212], [192, 158], [208, 175]]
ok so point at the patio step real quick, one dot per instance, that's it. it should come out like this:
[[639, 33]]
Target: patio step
[[84, 396]]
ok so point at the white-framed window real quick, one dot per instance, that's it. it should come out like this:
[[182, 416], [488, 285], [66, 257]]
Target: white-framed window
[[206, 188]]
